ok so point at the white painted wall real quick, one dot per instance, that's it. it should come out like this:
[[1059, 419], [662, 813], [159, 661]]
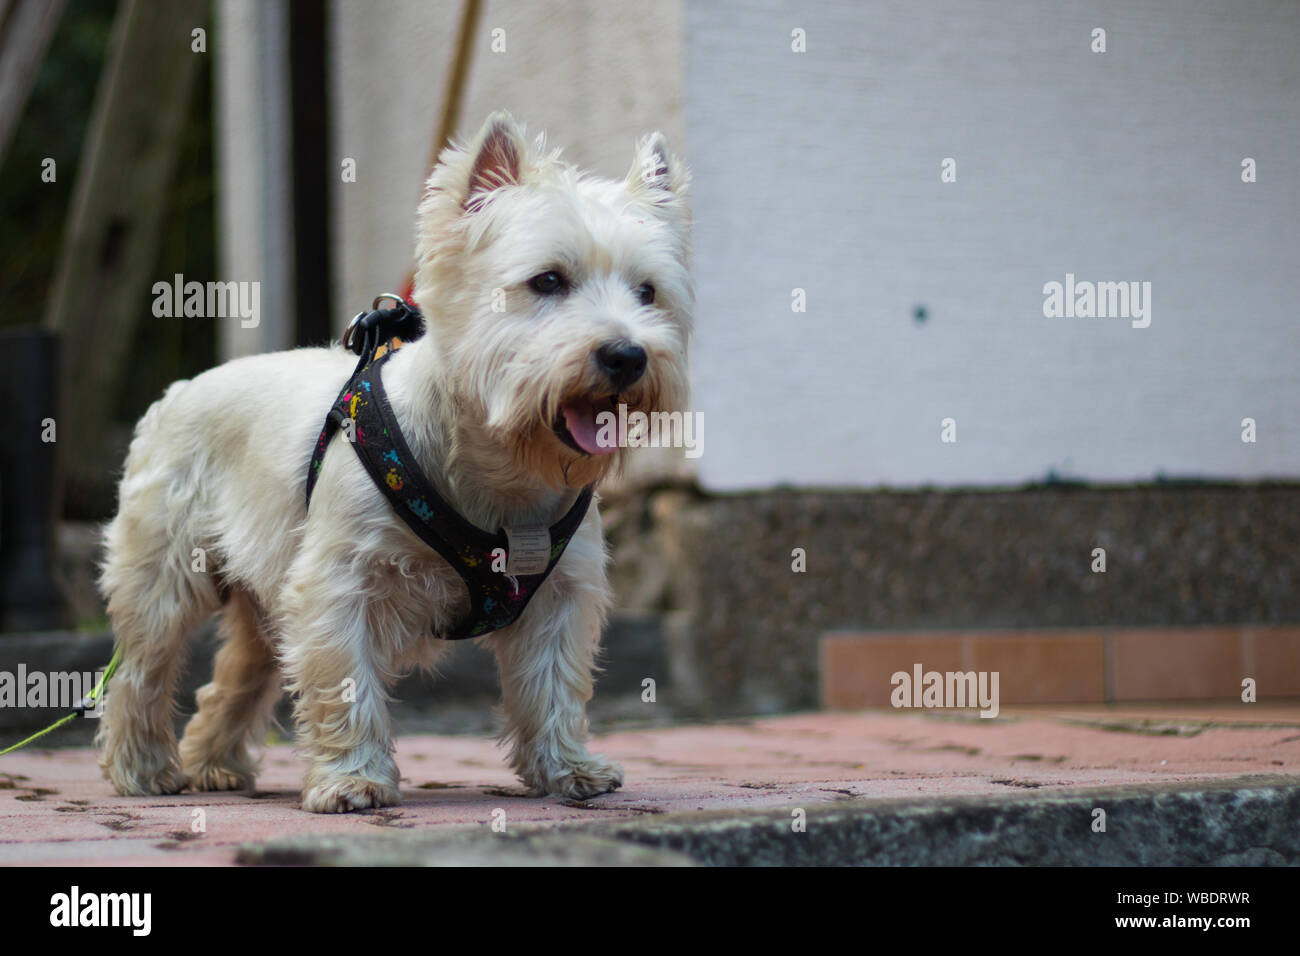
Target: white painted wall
[[821, 171], [594, 75]]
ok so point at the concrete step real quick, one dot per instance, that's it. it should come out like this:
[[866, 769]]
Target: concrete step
[[1225, 823]]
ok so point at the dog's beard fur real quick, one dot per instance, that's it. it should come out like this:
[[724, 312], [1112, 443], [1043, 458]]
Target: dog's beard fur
[[346, 593]]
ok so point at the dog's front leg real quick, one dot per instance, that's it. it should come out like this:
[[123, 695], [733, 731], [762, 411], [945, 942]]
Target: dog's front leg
[[332, 663], [546, 660]]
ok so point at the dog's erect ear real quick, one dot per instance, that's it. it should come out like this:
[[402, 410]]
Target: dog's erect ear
[[656, 174], [499, 153]]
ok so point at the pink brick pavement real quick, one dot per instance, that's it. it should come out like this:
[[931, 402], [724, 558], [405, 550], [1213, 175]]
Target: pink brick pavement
[[56, 809]]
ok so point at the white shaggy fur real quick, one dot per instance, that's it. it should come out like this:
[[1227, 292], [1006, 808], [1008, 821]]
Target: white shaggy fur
[[342, 598]]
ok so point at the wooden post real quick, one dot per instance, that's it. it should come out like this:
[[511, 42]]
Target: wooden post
[[102, 285]]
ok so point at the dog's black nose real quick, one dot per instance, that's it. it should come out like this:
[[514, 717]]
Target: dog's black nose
[[623, 362]]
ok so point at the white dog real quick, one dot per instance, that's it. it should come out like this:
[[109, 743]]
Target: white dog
[[549, 297]]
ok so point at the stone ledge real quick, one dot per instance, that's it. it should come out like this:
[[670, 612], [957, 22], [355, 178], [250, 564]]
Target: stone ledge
[[1238, 822], [1248, 821], [747, 628]]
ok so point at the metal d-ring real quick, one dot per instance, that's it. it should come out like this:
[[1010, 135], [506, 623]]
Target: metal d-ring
[[352, 326], [388, 295], [374, 307]]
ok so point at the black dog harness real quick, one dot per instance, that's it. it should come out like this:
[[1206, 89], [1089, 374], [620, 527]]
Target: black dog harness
[[503, 570]]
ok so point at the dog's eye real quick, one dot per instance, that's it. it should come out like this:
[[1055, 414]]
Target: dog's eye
[[548, 283], [646, 293]]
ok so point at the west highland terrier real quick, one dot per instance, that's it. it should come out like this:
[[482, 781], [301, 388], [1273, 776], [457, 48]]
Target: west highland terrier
[[550, 296]]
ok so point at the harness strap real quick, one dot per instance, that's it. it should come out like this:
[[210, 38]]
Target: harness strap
[[478, 557]]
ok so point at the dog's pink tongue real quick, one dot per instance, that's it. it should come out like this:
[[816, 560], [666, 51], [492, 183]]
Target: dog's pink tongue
[[580, 419]]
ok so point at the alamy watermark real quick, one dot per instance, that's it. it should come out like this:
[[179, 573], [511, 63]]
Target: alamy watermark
[[133, 911], [209, 300], [651, 430], [951, 689], [66, 690], [1101, 300]]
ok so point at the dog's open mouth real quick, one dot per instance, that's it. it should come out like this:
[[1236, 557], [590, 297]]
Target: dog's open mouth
[[582, 426]]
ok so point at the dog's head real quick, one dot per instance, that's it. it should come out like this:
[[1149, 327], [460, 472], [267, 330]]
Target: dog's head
[[555, 296]]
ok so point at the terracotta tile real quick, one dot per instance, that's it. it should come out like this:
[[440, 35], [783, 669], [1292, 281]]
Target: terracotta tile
[[1043, 667], [1177, 663], [1276, 661], [856, 667], [1069, 666]]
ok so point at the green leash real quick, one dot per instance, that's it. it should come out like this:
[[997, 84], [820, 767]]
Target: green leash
[[86, 704]]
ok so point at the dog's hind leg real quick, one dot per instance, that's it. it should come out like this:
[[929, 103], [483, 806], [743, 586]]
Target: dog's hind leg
[[236, 708], [154, 601]]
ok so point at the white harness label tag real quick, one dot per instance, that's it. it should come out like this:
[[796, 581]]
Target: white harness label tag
[[529, 549]]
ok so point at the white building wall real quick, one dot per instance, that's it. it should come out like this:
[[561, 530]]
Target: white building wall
[[821, 171]]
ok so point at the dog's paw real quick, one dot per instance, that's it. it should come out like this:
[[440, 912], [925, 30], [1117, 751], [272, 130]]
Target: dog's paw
[[151, 781], [346, 794], [589, 778], [212, 777]]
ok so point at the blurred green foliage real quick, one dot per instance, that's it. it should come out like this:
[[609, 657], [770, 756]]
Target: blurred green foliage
[[53, 124], [33, 213]]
